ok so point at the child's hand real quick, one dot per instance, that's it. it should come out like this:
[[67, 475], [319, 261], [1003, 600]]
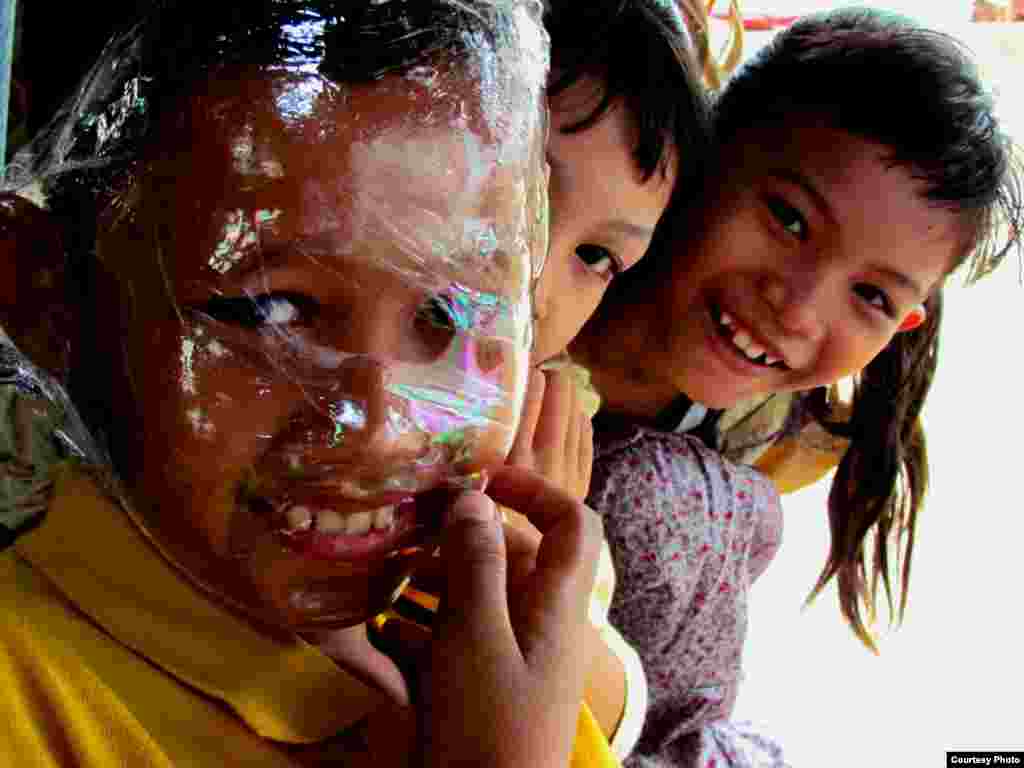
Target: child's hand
[[555, 437], [505, 681]]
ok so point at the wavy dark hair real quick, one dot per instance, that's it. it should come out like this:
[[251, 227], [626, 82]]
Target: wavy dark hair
[[884, 78], [641, 52]]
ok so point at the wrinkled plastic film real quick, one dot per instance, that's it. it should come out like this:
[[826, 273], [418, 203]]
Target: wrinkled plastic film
[[321, 266], [40, 430]]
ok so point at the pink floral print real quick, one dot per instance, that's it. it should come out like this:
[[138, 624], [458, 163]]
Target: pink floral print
[[689, 532]]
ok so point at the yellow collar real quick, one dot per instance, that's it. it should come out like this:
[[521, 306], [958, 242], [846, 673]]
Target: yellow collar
[[282, 687]]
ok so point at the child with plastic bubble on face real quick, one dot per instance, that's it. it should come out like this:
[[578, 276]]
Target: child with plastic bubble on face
[[301, 242]]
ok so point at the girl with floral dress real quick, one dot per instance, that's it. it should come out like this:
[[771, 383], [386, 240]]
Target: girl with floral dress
[[860, 163]]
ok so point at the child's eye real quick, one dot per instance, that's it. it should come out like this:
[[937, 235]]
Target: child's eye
[[437, 312], [277, 308], [875, 297], [599, 260], [789, 217], [436, 324]]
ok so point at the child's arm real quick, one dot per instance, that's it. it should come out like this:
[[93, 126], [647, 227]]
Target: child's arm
[[555, 439], [611, 660], [515, 692], [615, 688], [683, 524]]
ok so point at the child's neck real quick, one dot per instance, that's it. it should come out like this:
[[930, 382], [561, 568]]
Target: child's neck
[[614, 354], [350, 649]]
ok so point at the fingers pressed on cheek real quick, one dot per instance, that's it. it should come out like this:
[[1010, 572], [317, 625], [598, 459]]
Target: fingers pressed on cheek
[[522, 448], [556, 415]]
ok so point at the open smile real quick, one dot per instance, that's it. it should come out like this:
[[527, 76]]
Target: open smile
[[744, 344], [339, 529]]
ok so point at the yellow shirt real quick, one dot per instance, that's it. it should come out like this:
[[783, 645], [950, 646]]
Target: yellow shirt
[[109, 658]]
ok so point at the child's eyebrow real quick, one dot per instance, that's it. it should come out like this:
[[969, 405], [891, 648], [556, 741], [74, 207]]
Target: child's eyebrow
[[797, 178], [904, 280]]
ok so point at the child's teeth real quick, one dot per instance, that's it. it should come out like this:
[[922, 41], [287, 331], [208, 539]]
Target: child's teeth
[[329, 521], [358, 523], [299, 518], [746, 343], [383, 518]]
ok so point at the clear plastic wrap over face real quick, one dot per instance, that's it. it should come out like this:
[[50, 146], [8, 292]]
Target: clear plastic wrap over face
[[323, 309]]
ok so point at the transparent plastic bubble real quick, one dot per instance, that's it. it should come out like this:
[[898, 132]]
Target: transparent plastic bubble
[[321, 260]]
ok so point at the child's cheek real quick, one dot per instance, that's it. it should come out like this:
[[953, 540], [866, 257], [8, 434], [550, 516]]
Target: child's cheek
[[234, 404], [218, 415]]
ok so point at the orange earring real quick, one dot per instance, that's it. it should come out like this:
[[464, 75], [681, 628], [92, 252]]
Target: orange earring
[[914, 318]]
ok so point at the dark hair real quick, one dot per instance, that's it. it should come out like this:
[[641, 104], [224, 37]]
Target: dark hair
[[640, 51], [885, 79], [83, 30]]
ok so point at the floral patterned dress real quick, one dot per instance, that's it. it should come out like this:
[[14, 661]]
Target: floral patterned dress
[[689, 533]]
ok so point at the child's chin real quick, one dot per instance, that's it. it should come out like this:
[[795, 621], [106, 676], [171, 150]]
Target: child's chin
[[334, 601]]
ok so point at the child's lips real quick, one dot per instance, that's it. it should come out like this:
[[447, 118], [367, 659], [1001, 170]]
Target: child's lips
[[324, 534], [324, 496], [315, 524]]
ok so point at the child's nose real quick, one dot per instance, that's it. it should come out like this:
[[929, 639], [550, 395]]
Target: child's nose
[[799, 302], [373, 327], [369, 420]]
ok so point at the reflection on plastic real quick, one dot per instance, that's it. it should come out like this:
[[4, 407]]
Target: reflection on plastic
[[322, 229]]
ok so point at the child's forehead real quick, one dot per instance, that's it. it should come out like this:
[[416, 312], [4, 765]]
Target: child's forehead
[[410, 171], [271, 105], [830, 153]]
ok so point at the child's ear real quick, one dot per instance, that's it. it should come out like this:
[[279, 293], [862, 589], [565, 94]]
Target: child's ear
[[36, 306], [913, 319]]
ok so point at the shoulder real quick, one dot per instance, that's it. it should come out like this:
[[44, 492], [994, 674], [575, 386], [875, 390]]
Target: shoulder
[[638, 453], [665, 495], [26, 597], [39, 700], [44, 638], [64, 678], [643, 465]]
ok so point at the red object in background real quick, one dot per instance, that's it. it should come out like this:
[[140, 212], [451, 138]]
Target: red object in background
[[760, 21]]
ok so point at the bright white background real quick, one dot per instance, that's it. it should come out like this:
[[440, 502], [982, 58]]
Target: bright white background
[[952, 676]]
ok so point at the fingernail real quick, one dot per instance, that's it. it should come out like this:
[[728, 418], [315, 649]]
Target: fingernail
[[472, 506]]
